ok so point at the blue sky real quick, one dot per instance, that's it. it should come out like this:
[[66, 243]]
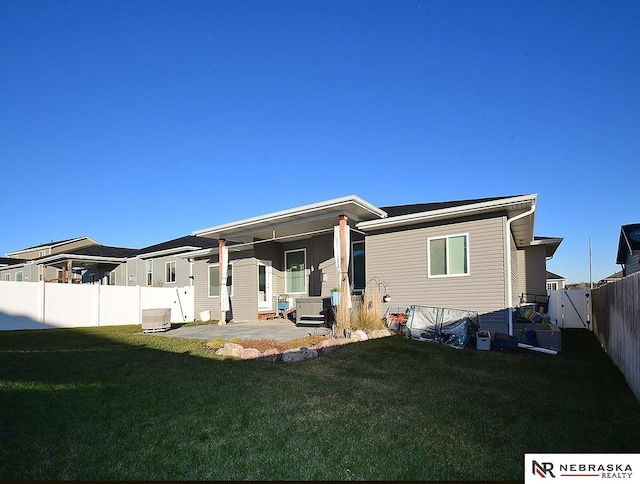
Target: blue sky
[[136, 122]]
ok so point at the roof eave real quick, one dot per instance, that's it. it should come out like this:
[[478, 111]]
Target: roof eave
[[452, 212]]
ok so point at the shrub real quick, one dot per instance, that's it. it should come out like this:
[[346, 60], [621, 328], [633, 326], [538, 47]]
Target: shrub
[[368, 316]]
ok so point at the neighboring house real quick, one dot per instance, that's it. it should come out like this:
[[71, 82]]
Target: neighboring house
[[91, 264], [25, 267], [164, 264], [616, 276], [470, 254], [555, 282], [629, 249]]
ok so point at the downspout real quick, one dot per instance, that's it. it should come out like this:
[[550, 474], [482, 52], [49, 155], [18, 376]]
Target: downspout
[[507, 246]]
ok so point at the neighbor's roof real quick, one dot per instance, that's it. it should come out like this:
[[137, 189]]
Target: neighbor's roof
[[629, 242], [91, 253], [551, 275], [51, 245], [181, 244], [9, 261]]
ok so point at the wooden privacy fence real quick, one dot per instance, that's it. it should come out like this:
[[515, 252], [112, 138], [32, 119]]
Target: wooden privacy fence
[[36, 305], [616, 323]]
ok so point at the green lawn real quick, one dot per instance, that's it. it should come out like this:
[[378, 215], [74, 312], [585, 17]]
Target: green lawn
[[108, 403]]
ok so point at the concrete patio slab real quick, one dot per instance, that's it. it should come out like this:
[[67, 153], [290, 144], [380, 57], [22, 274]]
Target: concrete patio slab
[[281, 330]]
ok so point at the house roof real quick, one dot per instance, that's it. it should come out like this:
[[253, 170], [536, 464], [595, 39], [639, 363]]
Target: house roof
[[295, 222], [90, 256], [181, 244], [10, 261], [398, 210], [614, 276], [552, 276], [51, 244], [550, 244], [629, 242], [520, 206]]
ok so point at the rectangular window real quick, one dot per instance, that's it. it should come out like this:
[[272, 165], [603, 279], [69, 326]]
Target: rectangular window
[[295, 263], [170, 272], [358, 276], [448, 256], [552, 286], [149, 273], [214, 280], [43, 253], [112, 278], [40, 273], [7, 277], [19, 276]]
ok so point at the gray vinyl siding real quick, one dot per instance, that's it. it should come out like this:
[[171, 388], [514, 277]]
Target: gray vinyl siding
[[399, 258], [632, 264], [532, 270], [319, 262]]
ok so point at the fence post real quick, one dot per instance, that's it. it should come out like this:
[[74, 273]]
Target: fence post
[[42, 303]]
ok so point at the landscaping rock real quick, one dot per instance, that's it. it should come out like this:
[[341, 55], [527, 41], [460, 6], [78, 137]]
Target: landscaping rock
[[271, 355], [326, 346], [379, 333], [359, 335], [250, 353], [230, 349], [299, 354]]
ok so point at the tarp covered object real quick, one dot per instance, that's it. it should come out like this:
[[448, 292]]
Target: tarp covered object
[[450, 327]]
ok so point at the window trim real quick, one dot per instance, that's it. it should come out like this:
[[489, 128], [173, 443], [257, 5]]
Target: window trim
[[149, 281], [167, 266], [286, 288], [447, 252], [230, 273], [21, 276], [7, 277]]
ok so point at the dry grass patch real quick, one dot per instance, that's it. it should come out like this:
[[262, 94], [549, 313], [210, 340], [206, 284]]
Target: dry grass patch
[[263, 344]]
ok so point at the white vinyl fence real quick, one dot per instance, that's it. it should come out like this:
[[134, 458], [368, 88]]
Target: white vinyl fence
[[571, 308], [37, 305]]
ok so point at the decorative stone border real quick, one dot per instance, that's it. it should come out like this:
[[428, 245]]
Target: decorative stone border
[[324, 347]]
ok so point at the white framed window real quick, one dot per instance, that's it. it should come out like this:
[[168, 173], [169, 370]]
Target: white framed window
[[7, 277], [19, 276], [552, 286], [112, 278], [170, 272], [40, 273], [357, 265], [214, 280], [43, 253], [295, 263], [149, 265], [265, 292], [448, 256]]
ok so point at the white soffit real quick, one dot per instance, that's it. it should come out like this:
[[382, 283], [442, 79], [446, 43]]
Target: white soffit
[[295, 220]]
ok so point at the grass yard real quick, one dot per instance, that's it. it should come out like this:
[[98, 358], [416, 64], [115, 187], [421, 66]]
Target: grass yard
[[112, 404]]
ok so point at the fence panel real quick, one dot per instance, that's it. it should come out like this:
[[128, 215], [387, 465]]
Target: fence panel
[[33, 305], [616, 323], [71, 305], [20, 305]]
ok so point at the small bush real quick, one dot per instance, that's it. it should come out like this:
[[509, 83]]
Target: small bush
[[368, 317]]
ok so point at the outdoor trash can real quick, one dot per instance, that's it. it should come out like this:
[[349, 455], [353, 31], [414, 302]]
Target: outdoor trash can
[[483, 340]]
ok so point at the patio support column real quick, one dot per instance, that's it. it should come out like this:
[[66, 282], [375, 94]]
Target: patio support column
[[344, 270], [69, 275], [223, 314]]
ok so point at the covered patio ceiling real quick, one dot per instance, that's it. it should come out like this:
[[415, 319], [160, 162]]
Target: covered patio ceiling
[[297, 222]]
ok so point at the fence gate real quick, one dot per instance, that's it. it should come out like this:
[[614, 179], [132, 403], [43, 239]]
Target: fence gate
[[571, 308]]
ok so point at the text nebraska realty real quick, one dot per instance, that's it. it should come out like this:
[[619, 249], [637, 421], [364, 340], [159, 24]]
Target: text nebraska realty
[[606, 471]]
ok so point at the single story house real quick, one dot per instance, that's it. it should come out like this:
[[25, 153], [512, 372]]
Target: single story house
[[476, 254], [629, 249]]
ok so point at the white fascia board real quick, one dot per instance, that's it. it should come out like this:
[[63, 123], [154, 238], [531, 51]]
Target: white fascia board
[[305, 209], [75, 257], [176, 250], [444, 213]]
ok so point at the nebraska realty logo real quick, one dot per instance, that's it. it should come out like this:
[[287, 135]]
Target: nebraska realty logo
[[573, 467]]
